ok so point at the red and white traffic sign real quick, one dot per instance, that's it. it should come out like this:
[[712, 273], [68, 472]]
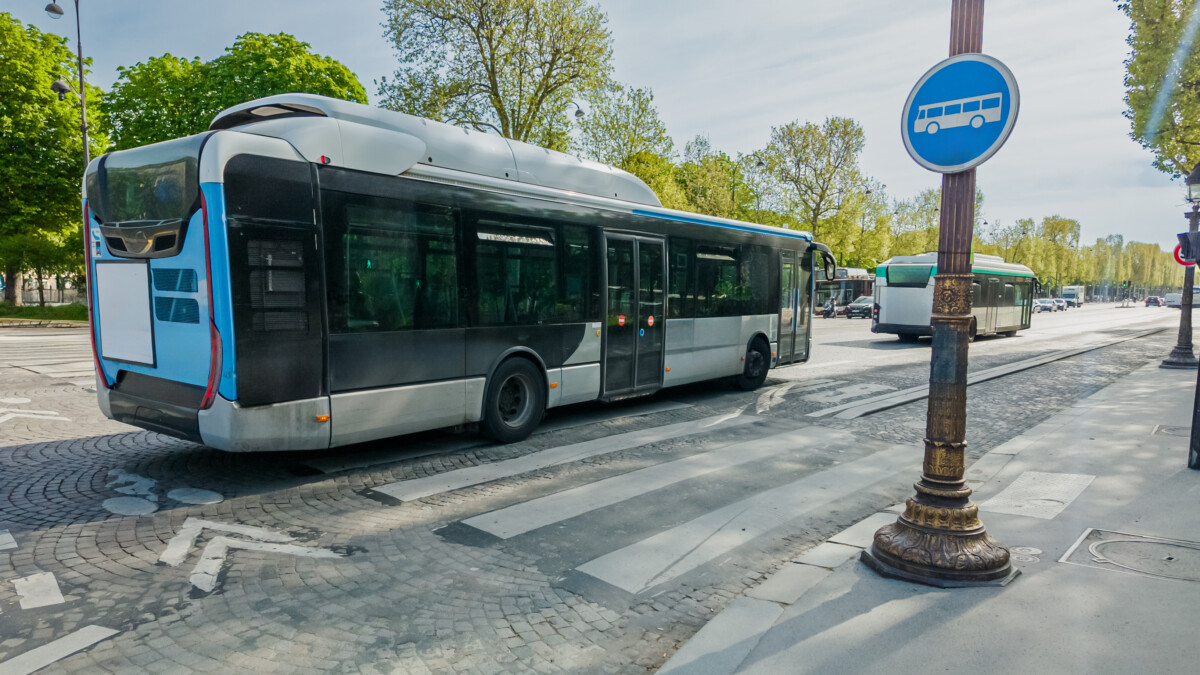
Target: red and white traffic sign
[[1179, 260], [651, 320], [621, 320]]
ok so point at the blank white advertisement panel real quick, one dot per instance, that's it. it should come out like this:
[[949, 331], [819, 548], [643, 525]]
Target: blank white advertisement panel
[[126, 333]]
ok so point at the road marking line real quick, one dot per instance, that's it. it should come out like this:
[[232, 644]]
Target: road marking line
[[38, 590], [40, 657], [848, 392], [7, 542], [417, 488], [674, 552], [531, 515], [181, 543], [204, 575]]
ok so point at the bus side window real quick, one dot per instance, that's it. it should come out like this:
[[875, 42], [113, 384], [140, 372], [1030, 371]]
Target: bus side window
[[680, 301], [970, 106], [991, 103], [578, 289], [398, 264], [717, 281], [517, 272]]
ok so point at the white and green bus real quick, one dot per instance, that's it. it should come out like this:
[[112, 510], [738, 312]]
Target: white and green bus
[[1001, 302]]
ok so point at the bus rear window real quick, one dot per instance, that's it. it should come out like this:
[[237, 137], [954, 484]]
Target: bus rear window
[[908, 275], [143, 197]]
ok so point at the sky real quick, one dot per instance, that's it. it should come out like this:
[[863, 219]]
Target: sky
[[732, 70]]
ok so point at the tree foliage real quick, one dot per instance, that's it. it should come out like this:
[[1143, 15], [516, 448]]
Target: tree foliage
[[819, 163], [1172, 130], [167, 97], [41, 147], [512, 64], [621, 123]]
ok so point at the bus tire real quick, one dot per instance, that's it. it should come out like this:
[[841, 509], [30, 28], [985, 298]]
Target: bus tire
[[515, 401], [758, 362], [971, 331], [976, 121], [932, 128]]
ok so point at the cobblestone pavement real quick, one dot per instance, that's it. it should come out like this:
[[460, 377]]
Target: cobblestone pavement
[[287, 568]]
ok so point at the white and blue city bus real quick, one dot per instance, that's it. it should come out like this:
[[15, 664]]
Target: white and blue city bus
[[312, 273], [1001, 296]]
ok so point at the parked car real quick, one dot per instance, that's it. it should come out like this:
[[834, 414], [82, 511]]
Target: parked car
[[861, 307], [1043, 305], [1060, 303], [1155, 301]]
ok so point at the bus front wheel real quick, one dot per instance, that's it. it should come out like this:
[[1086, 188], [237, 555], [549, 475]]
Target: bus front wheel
[[971, 331], [758, 361], [515, 401], [932, 128]]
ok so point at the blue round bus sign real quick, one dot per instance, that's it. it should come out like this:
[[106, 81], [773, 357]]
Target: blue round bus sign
[[960, 113]]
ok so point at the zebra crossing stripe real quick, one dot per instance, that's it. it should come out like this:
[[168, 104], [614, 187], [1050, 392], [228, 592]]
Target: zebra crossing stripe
[[674, 552], [531, 515], [460, 478]]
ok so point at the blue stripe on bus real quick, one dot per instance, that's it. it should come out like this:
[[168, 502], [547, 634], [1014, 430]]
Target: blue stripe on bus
[[729, 226], [218, 235]]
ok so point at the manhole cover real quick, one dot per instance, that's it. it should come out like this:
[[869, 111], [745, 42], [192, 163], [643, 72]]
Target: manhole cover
[[1163, 430], [1137, 554]]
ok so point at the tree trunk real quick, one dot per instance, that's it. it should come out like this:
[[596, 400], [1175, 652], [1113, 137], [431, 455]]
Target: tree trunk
[[41, 288], [12, 285]]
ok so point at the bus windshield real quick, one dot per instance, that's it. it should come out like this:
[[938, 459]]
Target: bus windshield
[[908, 275]]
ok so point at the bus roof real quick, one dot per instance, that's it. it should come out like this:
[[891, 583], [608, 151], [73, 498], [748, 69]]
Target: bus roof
[[981, 262], [422, 145], [442, 145]]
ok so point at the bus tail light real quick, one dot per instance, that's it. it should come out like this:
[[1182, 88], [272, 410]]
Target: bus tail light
[[89, 280], [214, 336]]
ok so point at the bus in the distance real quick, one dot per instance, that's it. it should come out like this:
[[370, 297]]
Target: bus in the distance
[[1001, 299], [312, 273]]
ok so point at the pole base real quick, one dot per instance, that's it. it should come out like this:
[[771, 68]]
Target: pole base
[[1180, 357], [958, 553], [883, 569]]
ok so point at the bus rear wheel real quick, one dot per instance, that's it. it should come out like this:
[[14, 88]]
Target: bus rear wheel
[[515, 402], [976, 121], [758, 361], [971, 331]]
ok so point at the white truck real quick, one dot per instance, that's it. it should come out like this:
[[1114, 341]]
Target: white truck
[[1074, 295]]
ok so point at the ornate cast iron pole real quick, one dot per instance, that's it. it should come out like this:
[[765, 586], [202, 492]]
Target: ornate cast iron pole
[[939, 540], [1181, 356]]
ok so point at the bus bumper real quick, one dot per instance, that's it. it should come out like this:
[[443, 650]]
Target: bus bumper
[[292, 425], [158, 416], [899, 328]]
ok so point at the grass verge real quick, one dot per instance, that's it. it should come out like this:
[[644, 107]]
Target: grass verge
[[36, 313]]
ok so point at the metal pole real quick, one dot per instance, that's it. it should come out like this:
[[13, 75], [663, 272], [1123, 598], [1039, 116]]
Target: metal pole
[[83, 126], [1182, 356], [939, 540]]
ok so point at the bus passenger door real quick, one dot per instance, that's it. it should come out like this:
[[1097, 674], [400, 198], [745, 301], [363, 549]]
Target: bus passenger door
[[635, 320], [790, 292], [991, 298]]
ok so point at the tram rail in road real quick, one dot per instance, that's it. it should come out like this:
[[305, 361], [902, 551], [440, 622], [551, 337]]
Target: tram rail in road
[[856, 409]]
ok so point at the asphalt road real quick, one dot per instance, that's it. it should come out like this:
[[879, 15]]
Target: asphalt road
[[600, 544]]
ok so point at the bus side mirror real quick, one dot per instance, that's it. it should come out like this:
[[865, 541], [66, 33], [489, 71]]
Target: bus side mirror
[[830, 266]]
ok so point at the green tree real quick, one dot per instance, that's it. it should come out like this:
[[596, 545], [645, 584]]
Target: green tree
[[41, 146], [513, 64], [661, 175], [620, 124], [1162, 82], [167, 97], [712, 181], [819, 164]]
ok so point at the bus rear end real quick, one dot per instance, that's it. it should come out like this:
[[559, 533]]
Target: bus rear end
[[205, 317]]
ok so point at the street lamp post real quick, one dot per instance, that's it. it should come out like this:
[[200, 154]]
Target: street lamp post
[[939, 539], [61, 88], [1181, 356]]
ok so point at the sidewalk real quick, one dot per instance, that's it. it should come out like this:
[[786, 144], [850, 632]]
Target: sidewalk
[[1105, 464]]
